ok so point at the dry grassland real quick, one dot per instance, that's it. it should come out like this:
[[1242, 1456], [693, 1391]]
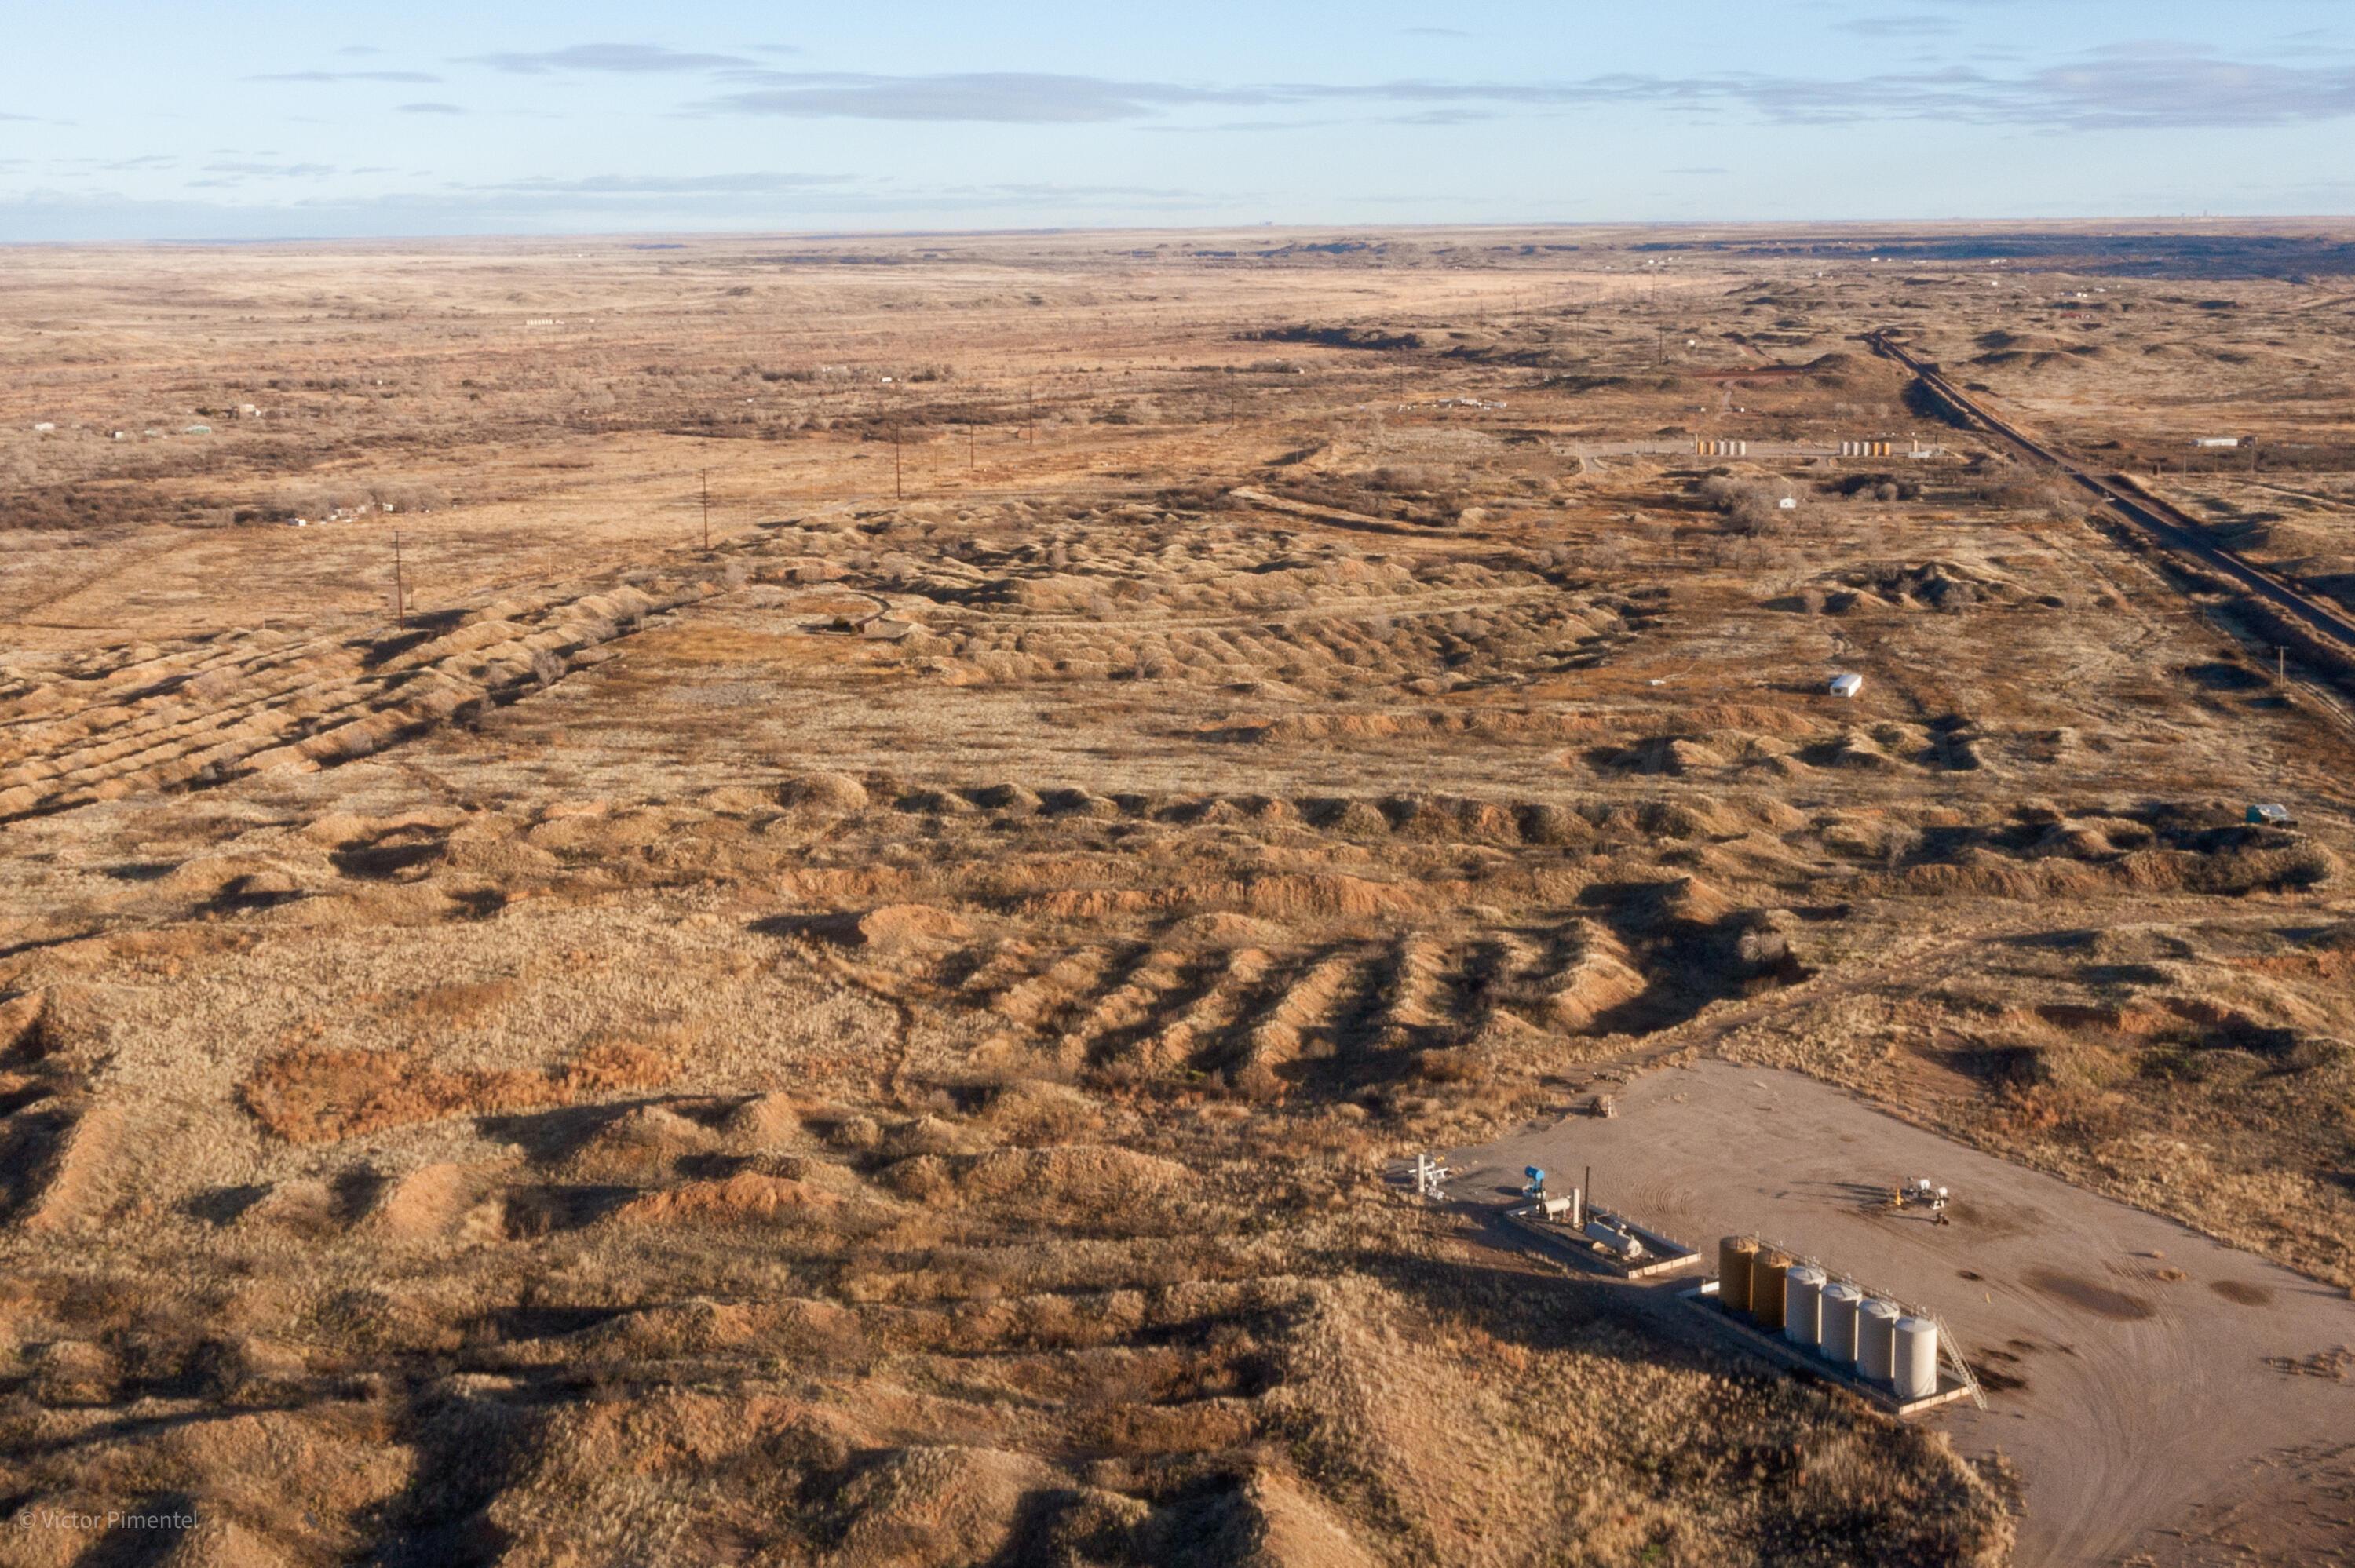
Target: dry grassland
[[625, 1067]]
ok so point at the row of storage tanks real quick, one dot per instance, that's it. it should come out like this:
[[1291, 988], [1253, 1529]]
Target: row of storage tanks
[[1860, 1333]]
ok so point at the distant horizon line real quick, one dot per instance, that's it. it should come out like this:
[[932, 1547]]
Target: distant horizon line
[[2142, 223]]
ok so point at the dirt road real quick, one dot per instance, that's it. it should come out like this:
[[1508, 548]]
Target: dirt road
[[2171, 527]]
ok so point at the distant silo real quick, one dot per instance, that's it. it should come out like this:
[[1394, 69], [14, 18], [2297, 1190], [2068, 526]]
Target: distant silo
[[1802, 1306], [1916, 1362], [1733, 1255], [1840, 1304], [1767, 1268], [1876, 1338]]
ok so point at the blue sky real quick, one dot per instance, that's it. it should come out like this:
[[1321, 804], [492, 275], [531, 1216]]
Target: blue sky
[[249, 121]]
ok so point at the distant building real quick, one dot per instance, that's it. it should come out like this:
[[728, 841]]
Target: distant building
[[2217, 441], [43, 428], [196, 430], [1846, 685]]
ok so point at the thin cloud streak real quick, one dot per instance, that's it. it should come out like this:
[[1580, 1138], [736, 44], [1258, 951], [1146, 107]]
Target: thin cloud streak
[[2130, 87], [667, 184], [407, 76], [276, 171], [1006, 98], [624, 59]]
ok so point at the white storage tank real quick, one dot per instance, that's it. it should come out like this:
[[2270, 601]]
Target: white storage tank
[[1876, 1338], [1840, 1304], [1802, 1306], [1917, 1358]]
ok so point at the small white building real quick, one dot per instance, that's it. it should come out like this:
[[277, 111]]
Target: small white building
[[43, 428], [1846, 685], [2226, 442]]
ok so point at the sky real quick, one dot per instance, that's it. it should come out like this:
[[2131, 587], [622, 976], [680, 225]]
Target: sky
[[211, 119]]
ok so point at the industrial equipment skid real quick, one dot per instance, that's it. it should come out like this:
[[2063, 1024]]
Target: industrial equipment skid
[[1702, 1299], [1664, 1254]]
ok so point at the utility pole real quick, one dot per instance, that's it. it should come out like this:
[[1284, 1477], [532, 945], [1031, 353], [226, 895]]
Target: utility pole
[[1031, 415], [399, 589], [707, 509], [970, 461], [897, 494]]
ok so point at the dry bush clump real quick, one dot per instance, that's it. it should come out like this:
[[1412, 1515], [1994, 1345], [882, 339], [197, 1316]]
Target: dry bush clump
[[309, 1096]]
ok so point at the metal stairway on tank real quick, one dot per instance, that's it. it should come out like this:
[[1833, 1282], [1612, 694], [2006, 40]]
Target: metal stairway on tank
[[1954, 1353]]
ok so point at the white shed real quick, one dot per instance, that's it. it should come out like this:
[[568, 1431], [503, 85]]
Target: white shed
[[1846, 685]]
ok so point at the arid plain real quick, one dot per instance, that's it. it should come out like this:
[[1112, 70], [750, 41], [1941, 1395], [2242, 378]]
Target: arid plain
[[804, 920]]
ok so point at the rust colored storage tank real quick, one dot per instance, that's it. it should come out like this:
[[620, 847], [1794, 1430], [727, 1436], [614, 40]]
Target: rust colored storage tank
[[1733, 1255], [1767, 1268]]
